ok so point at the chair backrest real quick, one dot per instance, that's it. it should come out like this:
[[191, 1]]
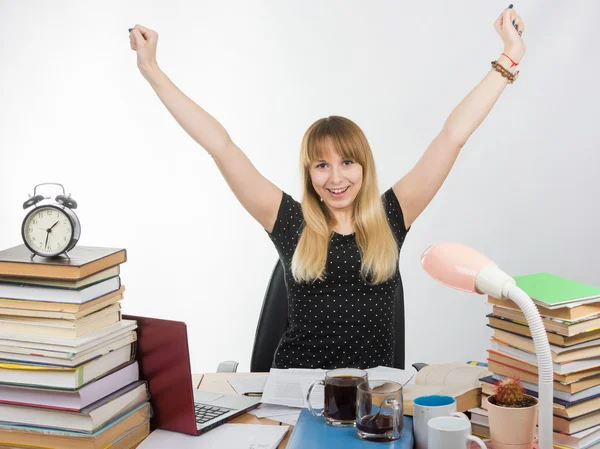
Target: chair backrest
[[272, 323]]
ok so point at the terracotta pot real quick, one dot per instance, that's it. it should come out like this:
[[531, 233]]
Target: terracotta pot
[[512, 428]]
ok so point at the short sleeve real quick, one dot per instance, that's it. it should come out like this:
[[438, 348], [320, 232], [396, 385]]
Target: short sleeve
[[287, 226], [395, 216]]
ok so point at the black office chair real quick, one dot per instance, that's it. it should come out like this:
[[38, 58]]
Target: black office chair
[[272, 323]]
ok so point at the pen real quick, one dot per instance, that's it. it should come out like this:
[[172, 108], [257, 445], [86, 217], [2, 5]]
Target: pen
[[249, 393]]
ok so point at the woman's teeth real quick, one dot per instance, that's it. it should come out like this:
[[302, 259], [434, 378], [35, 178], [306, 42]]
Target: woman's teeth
[[337, 191]]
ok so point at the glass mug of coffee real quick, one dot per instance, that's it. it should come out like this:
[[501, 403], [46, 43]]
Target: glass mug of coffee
[[339, 408], [380, 412]]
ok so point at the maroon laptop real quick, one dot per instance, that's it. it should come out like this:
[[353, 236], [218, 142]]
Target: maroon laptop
[[163, 356]]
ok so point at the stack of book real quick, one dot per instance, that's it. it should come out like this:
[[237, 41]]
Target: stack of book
[[570, 312], [68, 375]]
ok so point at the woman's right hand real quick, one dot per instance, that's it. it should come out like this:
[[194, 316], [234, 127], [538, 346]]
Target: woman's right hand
[[143, 41]]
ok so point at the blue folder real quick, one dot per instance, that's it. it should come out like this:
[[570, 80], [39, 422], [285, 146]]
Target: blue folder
[[312, 432]]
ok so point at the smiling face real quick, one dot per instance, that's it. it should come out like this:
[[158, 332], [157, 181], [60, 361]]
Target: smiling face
[[338, 170], [336, 179]]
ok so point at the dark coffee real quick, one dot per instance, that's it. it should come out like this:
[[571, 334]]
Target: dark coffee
[[381, 425], [380, 411], [340, 397]]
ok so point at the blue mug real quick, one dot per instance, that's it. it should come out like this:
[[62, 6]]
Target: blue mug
[[428, 407]]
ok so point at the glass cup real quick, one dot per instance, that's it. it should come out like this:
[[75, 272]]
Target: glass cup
[[380, 411], [339, 407]]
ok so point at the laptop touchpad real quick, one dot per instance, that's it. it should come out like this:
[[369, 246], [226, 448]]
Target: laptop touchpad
[[206, 396], [234, 402], [224, 400]]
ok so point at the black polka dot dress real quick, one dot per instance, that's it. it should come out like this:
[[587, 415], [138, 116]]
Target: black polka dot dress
[[342, 321]]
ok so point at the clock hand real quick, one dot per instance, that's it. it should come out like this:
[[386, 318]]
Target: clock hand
[[47, 234], [50, 228]]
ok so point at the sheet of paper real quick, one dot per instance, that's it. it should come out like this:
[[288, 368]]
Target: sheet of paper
[[250, 384], [289, 386], [290, 419], [269, 410], [394, 374], [317, 396], [226, 436]]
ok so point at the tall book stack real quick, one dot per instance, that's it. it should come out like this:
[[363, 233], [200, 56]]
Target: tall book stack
[[570, 312], [68, 375]]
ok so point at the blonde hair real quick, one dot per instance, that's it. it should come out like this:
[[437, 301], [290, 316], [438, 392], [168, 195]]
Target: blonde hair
[[374, 237]]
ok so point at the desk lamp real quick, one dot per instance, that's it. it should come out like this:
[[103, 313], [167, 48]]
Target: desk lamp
[[463, 268]]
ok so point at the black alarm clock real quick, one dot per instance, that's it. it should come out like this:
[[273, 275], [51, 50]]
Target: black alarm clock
[[50, 229]]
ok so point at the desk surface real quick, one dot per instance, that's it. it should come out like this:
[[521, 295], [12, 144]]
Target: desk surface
[[217, 382]]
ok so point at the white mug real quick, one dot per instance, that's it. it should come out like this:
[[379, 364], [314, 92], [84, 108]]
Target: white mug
[[428, 407], [451, 432]]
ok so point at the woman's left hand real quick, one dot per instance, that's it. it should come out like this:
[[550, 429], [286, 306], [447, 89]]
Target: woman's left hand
[[511, 33]]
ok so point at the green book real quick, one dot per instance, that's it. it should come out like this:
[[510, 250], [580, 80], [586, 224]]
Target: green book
[[552, 291]]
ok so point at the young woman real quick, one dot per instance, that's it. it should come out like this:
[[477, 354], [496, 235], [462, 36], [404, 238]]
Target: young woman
[[339, 246]]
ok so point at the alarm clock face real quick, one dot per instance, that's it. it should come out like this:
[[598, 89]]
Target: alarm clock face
[[47, 230]]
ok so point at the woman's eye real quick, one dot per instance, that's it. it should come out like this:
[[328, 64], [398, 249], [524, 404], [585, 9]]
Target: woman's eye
[[322, 165], [348, 162]]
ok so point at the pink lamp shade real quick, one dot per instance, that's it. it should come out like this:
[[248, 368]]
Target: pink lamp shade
[[454, 265]]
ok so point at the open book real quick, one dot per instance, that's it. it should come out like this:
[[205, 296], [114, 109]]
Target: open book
[[459, 380]]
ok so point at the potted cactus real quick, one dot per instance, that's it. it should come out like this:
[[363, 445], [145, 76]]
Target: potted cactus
[[512, 415]]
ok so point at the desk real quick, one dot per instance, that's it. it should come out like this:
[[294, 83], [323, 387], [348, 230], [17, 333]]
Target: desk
[[217, 382]]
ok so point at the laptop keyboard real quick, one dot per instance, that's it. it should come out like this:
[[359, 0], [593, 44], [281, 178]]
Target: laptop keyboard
[[205, 413]]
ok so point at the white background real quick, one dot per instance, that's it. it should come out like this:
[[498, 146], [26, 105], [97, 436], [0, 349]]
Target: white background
[[74, 109]]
